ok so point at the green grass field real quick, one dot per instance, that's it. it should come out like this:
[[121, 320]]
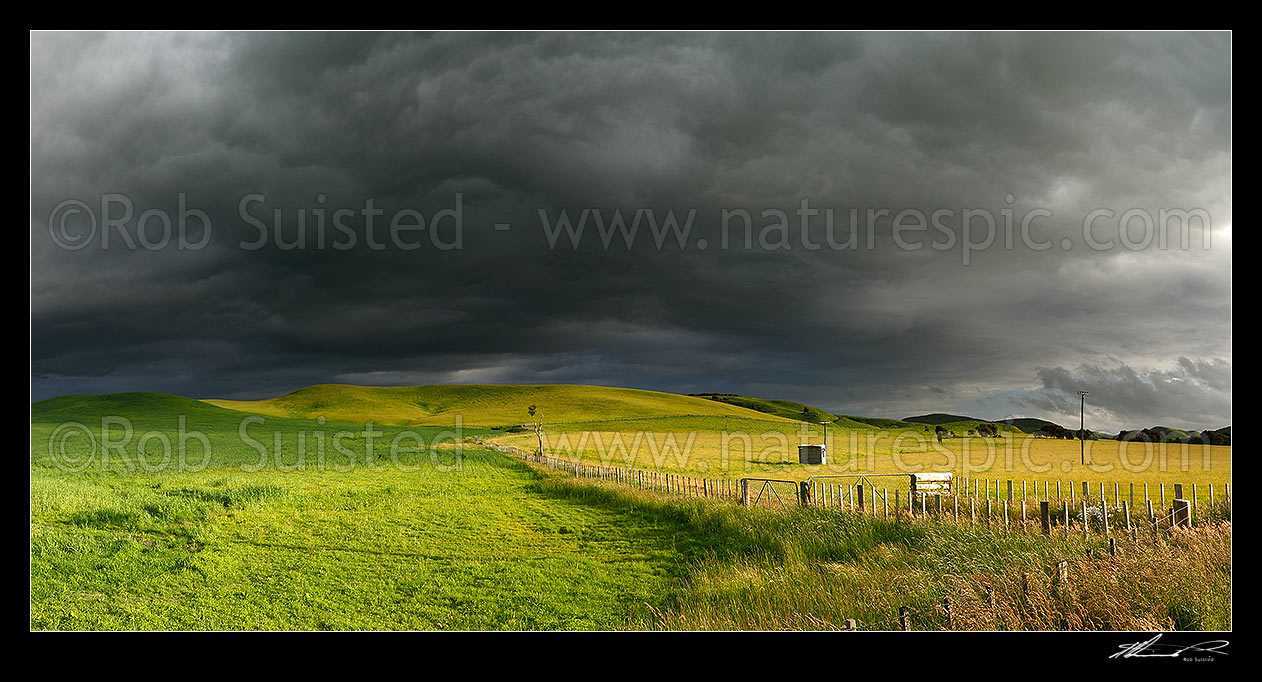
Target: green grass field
[[384, 549], [151, 511]]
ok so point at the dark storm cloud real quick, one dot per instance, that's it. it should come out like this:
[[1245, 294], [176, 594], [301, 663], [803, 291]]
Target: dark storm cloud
[[1193, 392], [517, 123]]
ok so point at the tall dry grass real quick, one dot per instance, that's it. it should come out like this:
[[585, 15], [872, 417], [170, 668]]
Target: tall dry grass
[[810, 568]]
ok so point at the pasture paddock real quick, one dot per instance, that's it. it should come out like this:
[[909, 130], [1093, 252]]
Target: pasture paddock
[[707, 447]]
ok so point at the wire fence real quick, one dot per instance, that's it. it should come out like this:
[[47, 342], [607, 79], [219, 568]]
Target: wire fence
[[1054, 507]]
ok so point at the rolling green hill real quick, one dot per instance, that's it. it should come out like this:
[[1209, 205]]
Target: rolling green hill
[[791, 409], [940, 418], [882, 423], [141, 410], [1027, 424], [958, 424], [787, 409], [482, 404]]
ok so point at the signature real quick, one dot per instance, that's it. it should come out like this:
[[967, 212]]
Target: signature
[[1151, 649]]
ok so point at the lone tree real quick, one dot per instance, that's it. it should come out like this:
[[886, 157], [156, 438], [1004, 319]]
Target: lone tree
[[536, 425], [987, 430], [940, 431]]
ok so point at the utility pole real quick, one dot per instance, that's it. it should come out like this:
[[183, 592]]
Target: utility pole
[[1082, 426], [825, 425]]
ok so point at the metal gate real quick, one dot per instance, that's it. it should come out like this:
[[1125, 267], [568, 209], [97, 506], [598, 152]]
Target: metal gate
[[768, 492]]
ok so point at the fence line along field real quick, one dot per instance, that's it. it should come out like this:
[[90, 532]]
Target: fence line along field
[[734, 447], [998, 505]]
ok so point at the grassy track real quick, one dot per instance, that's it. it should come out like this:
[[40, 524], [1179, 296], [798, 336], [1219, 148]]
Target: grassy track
[[367, 549]]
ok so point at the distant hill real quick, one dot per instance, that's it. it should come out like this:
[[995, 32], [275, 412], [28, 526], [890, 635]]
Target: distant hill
[[787, 409], [1027, 424], [940, 418], [506, 405], [882, 423], [958, 424]]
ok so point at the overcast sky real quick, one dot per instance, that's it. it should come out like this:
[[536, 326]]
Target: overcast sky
[[468, 132]]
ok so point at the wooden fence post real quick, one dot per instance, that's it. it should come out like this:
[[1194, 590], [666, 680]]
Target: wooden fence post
[[1182, 512], [804, 495], [1065, 508], [1195, 507], [1086, 527], [851, 625], [1045, 512], [904, 618], [744, 492], [859, 490]]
